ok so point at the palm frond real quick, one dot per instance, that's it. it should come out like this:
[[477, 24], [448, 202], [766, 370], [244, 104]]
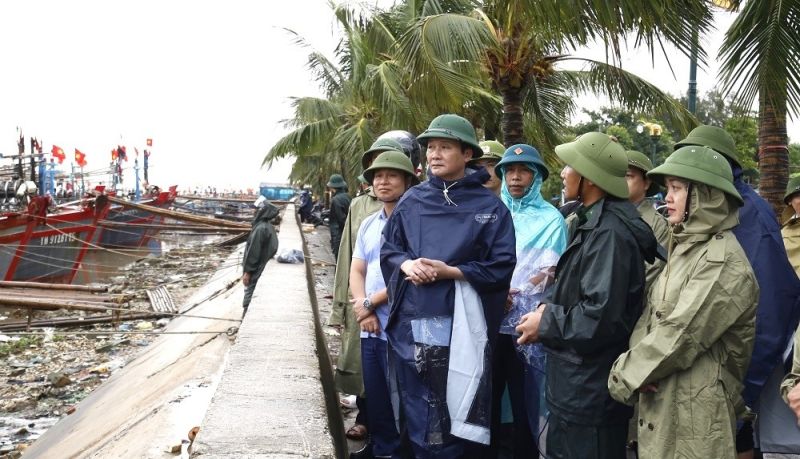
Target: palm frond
[[628, 90], [761, 51]]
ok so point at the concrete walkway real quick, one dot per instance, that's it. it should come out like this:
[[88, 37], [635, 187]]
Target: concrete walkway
[[276, 394]]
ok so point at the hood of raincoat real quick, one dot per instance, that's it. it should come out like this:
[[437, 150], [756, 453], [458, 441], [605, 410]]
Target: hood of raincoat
[[266, 212], [710, 211]]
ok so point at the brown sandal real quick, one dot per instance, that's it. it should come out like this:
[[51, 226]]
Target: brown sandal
[[356, 432]]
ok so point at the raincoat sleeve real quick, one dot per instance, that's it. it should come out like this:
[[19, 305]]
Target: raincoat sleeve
[[791, 380], [493, 272], [598, 318], [341, 287], [713, 299]]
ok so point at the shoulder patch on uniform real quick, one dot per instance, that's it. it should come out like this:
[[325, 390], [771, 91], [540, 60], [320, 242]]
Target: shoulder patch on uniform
[[716, 248]]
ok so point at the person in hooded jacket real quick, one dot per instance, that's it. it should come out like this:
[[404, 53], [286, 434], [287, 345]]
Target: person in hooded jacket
[[778, 310], [690, 349], [347, 376], [541, 236], [447, 258], [340, 203], [261, 246], [585, 322]]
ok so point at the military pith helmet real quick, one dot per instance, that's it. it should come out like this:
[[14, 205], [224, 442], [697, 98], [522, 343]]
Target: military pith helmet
[[640, 161], [451, 127], [336, 181], [391, 159], [712, 137], [598, 158], [792, 188], [407, 141], [491, 150], [379, 146], [525, 154], [699, 164]]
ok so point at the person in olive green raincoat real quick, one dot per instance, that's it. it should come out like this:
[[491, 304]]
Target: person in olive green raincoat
[[639, 187], [348, 366], [340, 203], [691, 347]]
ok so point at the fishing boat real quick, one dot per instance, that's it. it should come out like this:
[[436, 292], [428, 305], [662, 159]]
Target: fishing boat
[[43, 242], [127, 227]]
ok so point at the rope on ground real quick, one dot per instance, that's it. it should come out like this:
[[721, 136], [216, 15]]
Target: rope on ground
[[230, 331]]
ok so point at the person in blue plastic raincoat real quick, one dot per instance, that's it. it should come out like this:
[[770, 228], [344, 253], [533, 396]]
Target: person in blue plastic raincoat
[[778, 304], [541, 239], [447, 258]]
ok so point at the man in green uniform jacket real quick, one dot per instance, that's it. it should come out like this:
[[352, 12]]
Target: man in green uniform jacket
[[691, 348], [340, 203], [585, 322]]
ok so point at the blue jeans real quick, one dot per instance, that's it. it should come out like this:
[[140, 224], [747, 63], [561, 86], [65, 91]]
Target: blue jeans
[[382, 429]]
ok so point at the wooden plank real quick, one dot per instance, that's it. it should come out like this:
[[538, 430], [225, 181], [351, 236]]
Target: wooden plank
[[42, 285]]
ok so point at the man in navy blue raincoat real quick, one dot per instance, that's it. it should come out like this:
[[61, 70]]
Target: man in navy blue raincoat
[[778, 304], [447, 259]]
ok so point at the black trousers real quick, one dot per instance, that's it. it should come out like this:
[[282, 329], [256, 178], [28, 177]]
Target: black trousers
[[566, 440]]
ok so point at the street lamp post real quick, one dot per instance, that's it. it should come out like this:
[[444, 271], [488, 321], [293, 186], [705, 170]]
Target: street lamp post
[[654, 129]]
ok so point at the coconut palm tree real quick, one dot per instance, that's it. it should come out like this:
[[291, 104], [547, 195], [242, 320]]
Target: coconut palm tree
[[364, 96], [760, 59], [521, 50]]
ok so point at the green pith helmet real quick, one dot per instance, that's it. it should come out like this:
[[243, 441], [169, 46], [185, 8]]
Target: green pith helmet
[[699, 164], [336, 181], [640, 161], [712, 137], [362, 179], [379, 146], [451, 127], [391, 159], [792, 188], [598, 158], [524, 154], [492, 150]]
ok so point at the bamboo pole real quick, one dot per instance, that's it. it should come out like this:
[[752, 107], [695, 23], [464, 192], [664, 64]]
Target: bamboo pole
[[76, 321], [47, 304], [42, 285], [112, 224], [178, 215]]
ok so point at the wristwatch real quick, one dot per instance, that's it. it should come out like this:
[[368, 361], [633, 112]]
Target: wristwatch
[[367, 304]]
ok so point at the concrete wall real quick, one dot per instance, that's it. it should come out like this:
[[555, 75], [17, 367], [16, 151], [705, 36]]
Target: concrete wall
[[276, 396]]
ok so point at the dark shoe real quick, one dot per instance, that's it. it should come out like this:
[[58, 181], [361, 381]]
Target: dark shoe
[[363, 453]]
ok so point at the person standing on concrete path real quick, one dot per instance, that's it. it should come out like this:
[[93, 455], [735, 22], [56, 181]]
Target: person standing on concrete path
[[598, 295], [390, 175], [348, 366], [690, 349], [340, 203], [261, 246], [492, 152], [778, 310], [639, 188], [541, 237], [447, 259]]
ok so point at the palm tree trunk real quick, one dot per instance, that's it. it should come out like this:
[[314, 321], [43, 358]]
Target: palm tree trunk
[[511, 123], [773, 149]]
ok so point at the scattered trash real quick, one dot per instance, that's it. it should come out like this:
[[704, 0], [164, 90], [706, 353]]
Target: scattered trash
[[58, 379], [144, 326], [290, 256]]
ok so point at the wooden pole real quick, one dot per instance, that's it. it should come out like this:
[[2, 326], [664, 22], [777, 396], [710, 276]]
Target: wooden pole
[[178, 215], [42, 285]]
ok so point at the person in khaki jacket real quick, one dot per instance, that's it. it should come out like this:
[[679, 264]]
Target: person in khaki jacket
[[790, 390], [691, 347], [639, 187]]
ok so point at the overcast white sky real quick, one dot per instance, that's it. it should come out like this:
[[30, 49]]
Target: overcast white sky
[[208, 81]]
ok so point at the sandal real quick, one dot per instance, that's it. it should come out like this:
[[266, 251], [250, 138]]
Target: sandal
[[356, 432]]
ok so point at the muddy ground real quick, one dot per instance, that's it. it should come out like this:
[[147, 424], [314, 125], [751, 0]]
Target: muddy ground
[[46, 374]]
